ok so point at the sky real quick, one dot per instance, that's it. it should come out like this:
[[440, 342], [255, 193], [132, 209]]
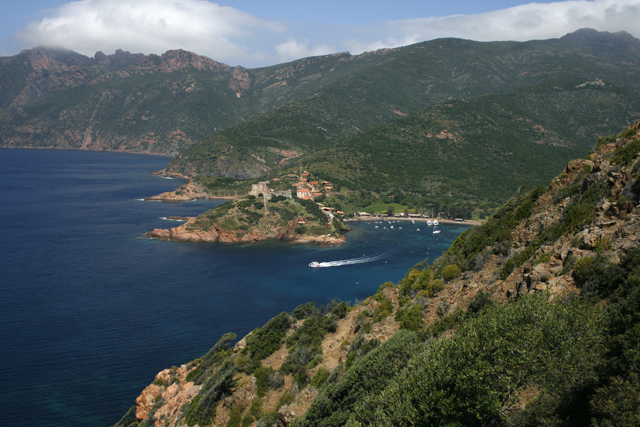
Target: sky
[[256, 33]]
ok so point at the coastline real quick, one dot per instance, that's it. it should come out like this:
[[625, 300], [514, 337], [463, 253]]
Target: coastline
[[470, 222]]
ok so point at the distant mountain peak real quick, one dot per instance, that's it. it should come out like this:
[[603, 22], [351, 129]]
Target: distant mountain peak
[[620, 39]]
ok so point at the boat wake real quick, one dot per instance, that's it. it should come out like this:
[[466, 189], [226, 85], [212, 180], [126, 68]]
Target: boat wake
[[351, 261]]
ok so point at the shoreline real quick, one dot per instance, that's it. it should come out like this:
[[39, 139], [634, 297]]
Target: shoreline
[[470, 222]]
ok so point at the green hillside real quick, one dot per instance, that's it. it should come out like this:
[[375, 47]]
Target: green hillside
[[409, 79], [483, 148]]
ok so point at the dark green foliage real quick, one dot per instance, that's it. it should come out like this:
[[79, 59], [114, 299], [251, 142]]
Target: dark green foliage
[[340, 309], [481, 300], [202, 409], [304, 311], [266, 340], [258, 205], [598, 277], [617, 403], [383, 309], [564, 192], [450, 321], [471, 377], [214, 356], [358, 348], [626, 153], [320, 377], [506, 269], [497, 229], [367, 377], [312, 331], [262, 375], [411, 318], [450, 272]]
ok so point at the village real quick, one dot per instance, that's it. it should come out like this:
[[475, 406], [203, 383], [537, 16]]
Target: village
[[308, 189]]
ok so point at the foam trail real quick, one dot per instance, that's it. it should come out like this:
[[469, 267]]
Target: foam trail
[[352, 261]]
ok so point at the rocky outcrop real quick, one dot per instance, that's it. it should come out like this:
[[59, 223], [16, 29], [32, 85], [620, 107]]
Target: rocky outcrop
[[187, 191], [189, 232]]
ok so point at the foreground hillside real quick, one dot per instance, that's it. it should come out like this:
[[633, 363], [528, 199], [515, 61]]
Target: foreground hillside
[[530, 319]]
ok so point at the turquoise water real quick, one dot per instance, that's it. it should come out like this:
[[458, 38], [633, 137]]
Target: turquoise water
[[92, 310]]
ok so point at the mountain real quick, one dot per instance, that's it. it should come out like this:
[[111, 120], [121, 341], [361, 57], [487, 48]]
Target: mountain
[[164, 104], [407, 80], [52, 98], [530, 319]]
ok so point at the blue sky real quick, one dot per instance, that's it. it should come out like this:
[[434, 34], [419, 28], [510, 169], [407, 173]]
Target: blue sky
[[256, 33]]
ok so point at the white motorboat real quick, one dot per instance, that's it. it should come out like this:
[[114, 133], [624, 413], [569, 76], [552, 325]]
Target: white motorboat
[[429, 223], [314, 264], [435, 222]]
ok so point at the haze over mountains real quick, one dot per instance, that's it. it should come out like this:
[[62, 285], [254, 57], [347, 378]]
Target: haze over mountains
[[446, 115]]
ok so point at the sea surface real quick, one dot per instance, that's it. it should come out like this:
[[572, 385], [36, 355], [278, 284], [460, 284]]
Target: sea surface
[[91, 310]]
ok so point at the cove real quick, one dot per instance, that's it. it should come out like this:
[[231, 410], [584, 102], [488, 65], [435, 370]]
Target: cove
[[92, 310]]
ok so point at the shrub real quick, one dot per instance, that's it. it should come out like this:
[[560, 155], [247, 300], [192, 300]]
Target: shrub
[[266, 340], [411, 319], [506, 269], [473, 376], [368, 375], [262, 375], [383, 310], [450, 272], [213, 356], [625, 154], [202, 409], [320, 377], [481, 300]]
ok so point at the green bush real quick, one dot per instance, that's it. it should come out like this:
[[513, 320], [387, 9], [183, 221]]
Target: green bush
[[450, 272], [207, 363], [320, 377], [202, 409], [471, 377], [625, 154], [367, 377], [262, 342], [411, 319]]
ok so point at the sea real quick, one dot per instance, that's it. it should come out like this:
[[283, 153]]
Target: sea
[[91, 309]]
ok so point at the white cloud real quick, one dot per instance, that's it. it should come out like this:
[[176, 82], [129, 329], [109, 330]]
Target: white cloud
[[520, 23], [229, 35], [292, 49], [149, 26]]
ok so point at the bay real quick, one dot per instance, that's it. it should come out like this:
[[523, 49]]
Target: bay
[[91, 309]]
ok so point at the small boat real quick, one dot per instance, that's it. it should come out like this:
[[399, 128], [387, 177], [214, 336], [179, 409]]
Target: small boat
[[413, 222], [377, 226], [429, 222], [418, 229], [437, 231], [391, 226], [399, 228], [314, 264], [435, 222]]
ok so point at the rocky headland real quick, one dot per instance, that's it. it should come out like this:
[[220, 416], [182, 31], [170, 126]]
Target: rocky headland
[[250, 221]]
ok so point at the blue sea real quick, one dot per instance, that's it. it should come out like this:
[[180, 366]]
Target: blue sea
[[91, 309]]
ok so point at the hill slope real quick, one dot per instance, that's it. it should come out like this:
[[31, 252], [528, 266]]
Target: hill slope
[[529, 319], [406, 81]]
